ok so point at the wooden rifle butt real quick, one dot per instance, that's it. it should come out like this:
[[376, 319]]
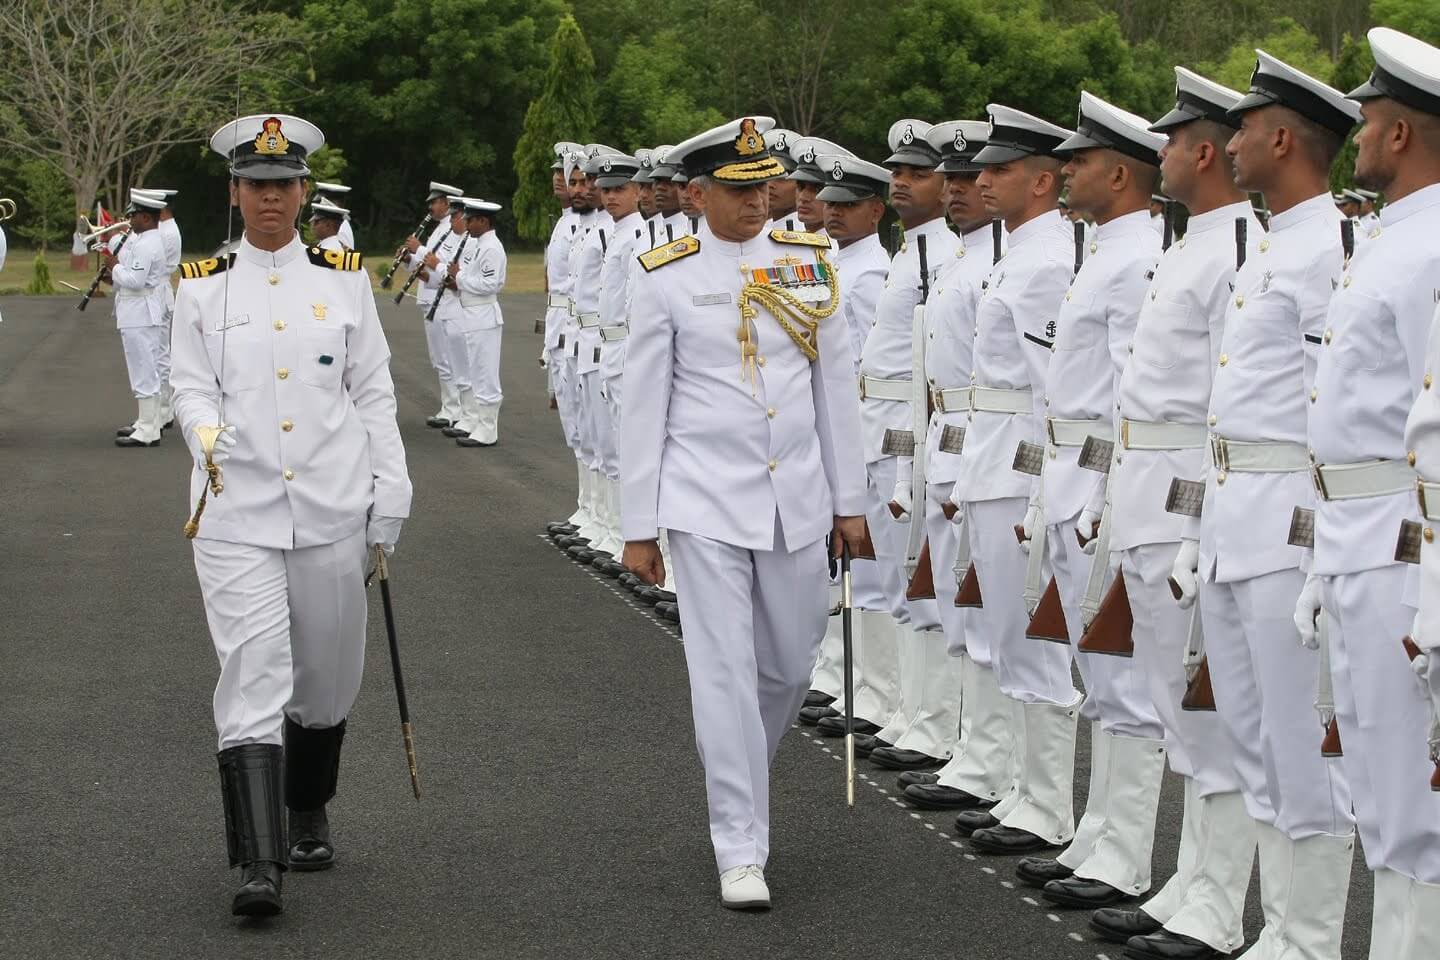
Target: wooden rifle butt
[[1199, 693], [922, 583], [1048, 622], [969, 593], [865, 549], [1330, 746], [1110, 633], [1412, 650]]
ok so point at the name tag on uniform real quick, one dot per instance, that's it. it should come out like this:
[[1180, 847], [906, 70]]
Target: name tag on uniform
[[710, 299], [239, 320]]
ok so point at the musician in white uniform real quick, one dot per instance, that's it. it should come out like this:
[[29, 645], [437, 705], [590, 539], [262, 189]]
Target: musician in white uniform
[[137, 270], [1373, 366], [748, 453], [1163, 397], [476, 287], [325, 221], [415, 251], [280, 347], [338, 193], [1292, 127]]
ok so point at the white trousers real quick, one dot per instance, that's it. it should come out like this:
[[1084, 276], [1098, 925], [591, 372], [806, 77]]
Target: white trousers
[[1031, 671], [143, 347], [455, 349], [1384, 723], [482, 364], [289, 631], [944, 538], [1114, 688], [1265, 685], [612, 389], [889, 535], [598, 428], [750, 641], [562, 372], [436, 347]]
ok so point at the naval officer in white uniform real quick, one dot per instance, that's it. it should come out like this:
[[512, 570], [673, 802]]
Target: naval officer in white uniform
[[281, 347], [749, 456]]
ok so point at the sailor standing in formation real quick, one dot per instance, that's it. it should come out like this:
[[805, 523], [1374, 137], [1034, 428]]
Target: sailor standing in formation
[[136, 267], [279, 355]]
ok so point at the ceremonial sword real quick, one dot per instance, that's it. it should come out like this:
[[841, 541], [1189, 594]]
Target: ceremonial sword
[[382, 570]]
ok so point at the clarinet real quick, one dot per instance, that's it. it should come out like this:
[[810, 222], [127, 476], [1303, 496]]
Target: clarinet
[[435, 305], [395, 264], [95, 284]]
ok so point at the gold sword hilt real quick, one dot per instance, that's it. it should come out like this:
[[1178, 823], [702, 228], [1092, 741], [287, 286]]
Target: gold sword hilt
[[216, 482]]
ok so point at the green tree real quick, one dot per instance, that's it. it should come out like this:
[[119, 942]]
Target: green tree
[[1419, 18], [40, 284], [565, 110], [47, 211], [1350, 71], [1284, 39], [640, 102]]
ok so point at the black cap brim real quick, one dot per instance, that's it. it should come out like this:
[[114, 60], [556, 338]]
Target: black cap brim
[[612, 180], [912, 157], [805, 175], [993, 154], [254, 169], [1253, 100], [1177, 117], [834, 193], [1076, 141], [959, 165]]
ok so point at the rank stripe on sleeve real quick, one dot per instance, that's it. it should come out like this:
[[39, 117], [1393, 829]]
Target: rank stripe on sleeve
[[335, 259]]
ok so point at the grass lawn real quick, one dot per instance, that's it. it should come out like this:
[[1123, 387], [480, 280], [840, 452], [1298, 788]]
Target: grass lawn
[[525, 272]]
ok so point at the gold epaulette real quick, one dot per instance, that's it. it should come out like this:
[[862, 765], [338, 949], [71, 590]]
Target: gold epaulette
[[669, 252], [800, 237], [334, 259], [196, 269]]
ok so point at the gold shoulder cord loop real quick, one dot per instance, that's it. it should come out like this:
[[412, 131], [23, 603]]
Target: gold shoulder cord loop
[[797, 318]]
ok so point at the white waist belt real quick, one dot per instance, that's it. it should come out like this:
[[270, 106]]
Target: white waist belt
[[1000, 400], [558, 300], [477, 299], [1429, 494], [1074, 433], [1144, 435], [609, 334], [1260, 456], [588, 320], [951, 399], [873, 388], [1356, 481]]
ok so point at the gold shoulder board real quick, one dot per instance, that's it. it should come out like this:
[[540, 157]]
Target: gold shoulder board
[[669, 253], [334, 259], [196, 269], [800, 237]]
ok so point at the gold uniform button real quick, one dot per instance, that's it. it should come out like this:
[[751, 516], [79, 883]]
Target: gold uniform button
[[1410, 458], [1224, 359], [760, 361], [770, 413], [1428, 380], [1220, 478], [1328, 336], [1314, 394], [773, 465], [283, 373], [1240, 301], [1429, 535], [274, 279], [289, 474], [1347, 281], [1264, 244], [287, 425], [1213, 420], [279, 324]]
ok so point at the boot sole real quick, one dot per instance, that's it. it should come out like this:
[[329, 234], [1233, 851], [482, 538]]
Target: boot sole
[[256, 905], [312, 866], [753, 905]]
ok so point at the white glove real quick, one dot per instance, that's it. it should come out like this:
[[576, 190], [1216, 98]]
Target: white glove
[[1088, 526], [958, 517], [1184, 576], [224, 444], [1028, 525], [384, 531], [1421, 664], [1307, 613], [901, 498]]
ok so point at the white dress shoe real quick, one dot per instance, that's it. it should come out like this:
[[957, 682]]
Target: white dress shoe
[[743, 888]]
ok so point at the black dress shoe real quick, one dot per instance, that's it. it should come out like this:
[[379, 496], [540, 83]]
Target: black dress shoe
[[818, 698], [582, 553], [628, 579], [1001, 839], [125, 431], [560, 528], [968, 821], [896, 758], [573, 540], [835, 727], [1084, 894], [310, 846], [259, 893], [1165, 945], [866, 745], [668, 611], [935, 796], [132, 442], [810, 716], [468, 441], [914, 777], [1038, 871], [167, 424], [608, 566], [1118, 926], [653, 595], [437, 422], [455, 432]]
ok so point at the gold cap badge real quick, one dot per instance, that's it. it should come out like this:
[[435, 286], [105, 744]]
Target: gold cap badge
[[270, 141], [750, 141]]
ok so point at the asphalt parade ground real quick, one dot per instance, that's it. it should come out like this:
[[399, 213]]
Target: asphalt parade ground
[[563, 812]]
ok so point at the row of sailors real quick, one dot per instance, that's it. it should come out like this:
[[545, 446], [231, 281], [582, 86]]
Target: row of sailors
[[1152, 425]]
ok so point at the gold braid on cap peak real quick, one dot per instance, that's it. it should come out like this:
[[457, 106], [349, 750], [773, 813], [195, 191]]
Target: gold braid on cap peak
[[750, 170], [796, 317]]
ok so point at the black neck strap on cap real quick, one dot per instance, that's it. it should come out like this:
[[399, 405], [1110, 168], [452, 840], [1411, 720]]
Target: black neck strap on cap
[[1303, 101], [1202, 109], [1408, 94], [1117, 142], [1027, 141]]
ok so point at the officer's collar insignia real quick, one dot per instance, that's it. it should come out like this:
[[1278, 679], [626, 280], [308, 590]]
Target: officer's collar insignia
[[837, 171], [750, 141], [270, 142], [909, 135], [318, 310]]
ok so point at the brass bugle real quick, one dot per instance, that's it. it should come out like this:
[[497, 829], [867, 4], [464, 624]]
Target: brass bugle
[[100, 231]]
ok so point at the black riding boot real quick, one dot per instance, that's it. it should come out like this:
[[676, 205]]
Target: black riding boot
[[251, 778], [312, 767]]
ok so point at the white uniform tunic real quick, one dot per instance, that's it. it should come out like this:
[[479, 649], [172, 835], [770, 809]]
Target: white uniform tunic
[[479, 321], [142, 287], [1265, 682], [442, 242], [557, 287], [630, 238], [346, 234], [1372, 364], [746, 476], [589, 265], [566, 380], [299, 354], [448, 312]]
